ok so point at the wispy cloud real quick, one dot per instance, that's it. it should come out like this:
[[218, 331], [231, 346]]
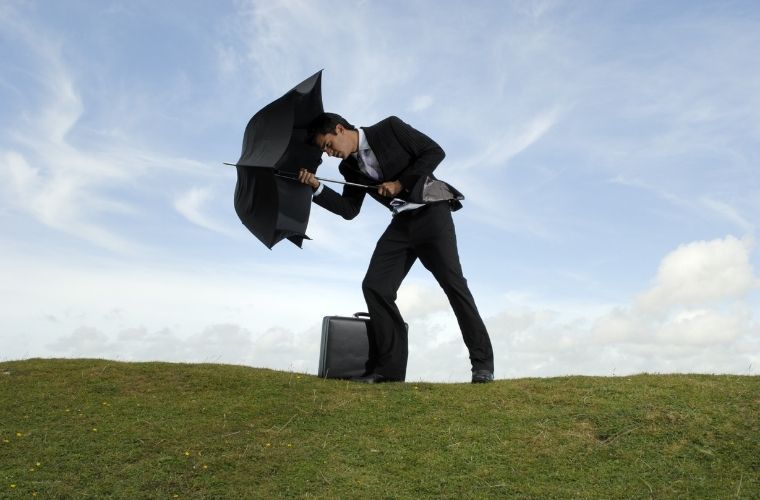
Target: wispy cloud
[[52, 180], [191, 205], [421, 103], [282, 37], [65, 184], [730, 213], [506, 144], [700, 272], [706, 205]]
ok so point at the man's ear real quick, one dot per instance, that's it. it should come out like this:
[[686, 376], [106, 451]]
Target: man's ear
[[339, 129]]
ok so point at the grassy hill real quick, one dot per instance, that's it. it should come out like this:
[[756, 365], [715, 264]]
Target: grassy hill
[[94, 428]]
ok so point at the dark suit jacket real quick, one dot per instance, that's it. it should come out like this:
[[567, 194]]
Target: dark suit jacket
[[404, 154]]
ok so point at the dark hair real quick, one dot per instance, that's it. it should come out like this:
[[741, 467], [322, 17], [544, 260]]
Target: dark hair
[[325, 124]]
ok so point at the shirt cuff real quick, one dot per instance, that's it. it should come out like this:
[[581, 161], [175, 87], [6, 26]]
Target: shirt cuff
[[318, 191]]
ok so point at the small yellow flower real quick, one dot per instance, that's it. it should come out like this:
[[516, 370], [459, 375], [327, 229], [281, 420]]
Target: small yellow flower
[[290, 445], [18, 435], [13, 486], [268, 445], [187, 453], [38, 464], [205, 466], [94, 429]]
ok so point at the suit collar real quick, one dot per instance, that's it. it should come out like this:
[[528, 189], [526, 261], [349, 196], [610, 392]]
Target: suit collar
[[363, 144]]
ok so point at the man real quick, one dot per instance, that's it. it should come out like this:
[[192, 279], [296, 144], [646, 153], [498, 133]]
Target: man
[[397, 158]]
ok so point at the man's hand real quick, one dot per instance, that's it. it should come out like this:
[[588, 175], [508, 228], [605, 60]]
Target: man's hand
[[389, 189], [307, 177]]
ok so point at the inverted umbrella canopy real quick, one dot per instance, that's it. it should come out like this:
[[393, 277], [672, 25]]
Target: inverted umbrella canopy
[[268, 201]]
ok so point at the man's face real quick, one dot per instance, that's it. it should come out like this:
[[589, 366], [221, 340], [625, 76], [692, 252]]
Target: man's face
[[340, 144]]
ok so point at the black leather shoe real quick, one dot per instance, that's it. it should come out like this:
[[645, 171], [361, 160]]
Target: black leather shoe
[[482, 376], [373, 378]]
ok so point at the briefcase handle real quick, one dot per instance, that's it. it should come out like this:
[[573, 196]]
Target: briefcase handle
[[361, 315]]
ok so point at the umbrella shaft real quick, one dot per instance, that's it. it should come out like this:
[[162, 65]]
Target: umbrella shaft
[[366, 186], [294, 177]]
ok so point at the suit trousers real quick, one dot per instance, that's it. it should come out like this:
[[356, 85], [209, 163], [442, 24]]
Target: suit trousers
[[426, 233]]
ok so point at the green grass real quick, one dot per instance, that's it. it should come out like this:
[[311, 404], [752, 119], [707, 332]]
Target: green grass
[[93, 428]]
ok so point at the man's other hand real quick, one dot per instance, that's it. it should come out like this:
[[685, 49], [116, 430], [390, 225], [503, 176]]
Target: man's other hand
[[307, 177], [389, 189]]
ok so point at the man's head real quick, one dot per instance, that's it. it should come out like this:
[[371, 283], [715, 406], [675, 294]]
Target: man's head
[[333, 134]]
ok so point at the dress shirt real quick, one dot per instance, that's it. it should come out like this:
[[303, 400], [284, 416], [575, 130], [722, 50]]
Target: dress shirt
[[370, 167]]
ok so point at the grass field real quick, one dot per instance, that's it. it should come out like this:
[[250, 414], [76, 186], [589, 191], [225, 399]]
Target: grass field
[[94, 428]]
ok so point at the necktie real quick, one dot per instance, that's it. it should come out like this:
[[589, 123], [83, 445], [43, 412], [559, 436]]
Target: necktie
[[368, 165]]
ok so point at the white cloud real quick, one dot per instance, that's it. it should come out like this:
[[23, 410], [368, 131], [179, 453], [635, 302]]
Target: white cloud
[[700, 272], [730, 213], [275, 347], [191, 205], [620, 325], [538, 8], [158, 314], [503, 145], [417, 300], [282, 37], [75, 187], [352, 240], [698, 300], [421, 103], [84, 342], [704, 327], [64, 201], [51, 180], [22, 176], [661, 330], [705, 206]]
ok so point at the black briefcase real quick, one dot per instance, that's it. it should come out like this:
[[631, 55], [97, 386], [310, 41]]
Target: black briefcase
[[345, 346]]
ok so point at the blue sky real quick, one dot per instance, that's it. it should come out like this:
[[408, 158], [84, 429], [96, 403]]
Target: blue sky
[[608, 152]]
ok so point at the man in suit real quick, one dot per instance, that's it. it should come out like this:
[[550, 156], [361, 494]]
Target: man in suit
[[396, 158]]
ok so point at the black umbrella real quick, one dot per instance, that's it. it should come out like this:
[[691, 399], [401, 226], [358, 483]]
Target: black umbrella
[[268, 201]]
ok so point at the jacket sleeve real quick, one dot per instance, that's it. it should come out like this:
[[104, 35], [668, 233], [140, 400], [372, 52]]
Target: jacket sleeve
[[347, 205], [425, 152]]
